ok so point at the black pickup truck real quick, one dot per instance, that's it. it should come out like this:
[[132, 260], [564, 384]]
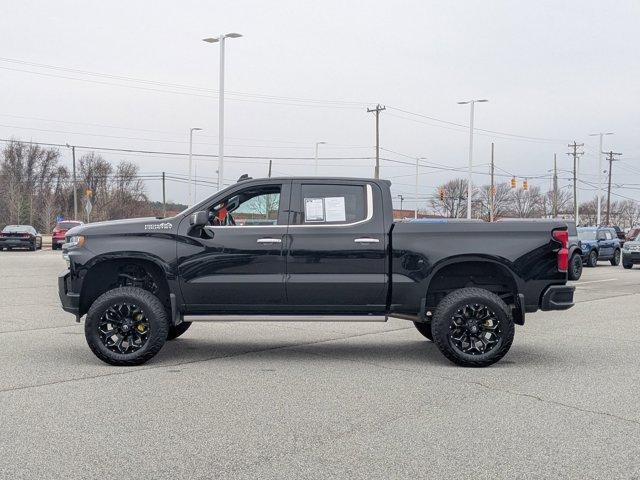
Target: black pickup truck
[[300, 249]]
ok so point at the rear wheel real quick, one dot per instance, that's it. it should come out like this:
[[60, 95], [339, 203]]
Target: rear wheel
[[126, 326], [615, 261], [473, 327], [425, 329], [627, 265], [177, 330], [575, 267], [592, 260]]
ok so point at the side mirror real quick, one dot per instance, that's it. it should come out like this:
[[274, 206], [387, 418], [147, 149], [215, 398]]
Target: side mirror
[[199, 219]]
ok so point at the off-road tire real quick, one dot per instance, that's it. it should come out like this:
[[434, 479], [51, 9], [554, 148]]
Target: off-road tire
[[472, 296], [425, 329], [628, 266], [615, 260], [154, 312], [592, 259], [177, 330], [575, 267], [34, 247]]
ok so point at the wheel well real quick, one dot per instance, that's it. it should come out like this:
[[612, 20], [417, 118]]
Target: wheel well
[[110, 274], [487, 275]]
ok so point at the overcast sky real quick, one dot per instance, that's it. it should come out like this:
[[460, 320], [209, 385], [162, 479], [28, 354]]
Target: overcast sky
[[305, 71]]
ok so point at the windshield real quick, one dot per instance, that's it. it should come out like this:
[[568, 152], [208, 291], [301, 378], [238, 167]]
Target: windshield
[[587, 235], [17, 229]]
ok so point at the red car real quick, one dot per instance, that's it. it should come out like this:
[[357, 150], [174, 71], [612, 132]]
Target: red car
[[58, 234]]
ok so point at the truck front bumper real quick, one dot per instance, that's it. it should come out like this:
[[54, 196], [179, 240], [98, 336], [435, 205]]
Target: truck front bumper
[[557, 297], [70, 300]]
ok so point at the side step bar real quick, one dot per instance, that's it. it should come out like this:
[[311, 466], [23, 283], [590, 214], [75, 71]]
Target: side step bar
[[285, 318]]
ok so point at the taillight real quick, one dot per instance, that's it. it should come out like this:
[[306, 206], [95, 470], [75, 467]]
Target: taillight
[[562, 236]]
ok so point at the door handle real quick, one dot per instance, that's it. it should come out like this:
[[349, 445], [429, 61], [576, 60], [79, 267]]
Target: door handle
[[366, 240], [269, 240]]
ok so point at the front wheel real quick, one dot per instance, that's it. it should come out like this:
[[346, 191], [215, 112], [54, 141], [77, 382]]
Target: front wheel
[[592, 260], [627, 266], [575, 267], [615, 261], [126, 326], [473, 327], [177, 330], [425, 329]]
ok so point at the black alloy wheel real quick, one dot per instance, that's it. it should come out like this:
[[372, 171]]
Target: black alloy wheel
[[615, 261], [575, 267], [473, 327], [592, 260], [124, 328]]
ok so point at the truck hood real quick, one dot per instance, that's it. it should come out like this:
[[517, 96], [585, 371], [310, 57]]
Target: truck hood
[[129, 225]]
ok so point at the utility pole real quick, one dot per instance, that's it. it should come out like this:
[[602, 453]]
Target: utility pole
[[600, 153], [75, 185], [401, 197], [492, 192], [415, 210], [611, 159], [270, 163], [377, 111], [575, 154], [555, 187], [164, 197]]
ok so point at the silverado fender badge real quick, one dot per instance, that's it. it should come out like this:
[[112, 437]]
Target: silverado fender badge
[[158, 226]]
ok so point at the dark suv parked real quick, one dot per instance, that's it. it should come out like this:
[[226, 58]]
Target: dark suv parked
[[599, 243]]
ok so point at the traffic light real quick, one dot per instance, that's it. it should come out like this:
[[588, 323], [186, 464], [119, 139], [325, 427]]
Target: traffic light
[[493, 191], [88, 193], [441, 192], [525, 184], [514, 182]]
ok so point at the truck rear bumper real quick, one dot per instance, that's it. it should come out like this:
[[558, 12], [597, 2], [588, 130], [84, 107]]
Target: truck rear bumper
[[557, 297], [70, 300]]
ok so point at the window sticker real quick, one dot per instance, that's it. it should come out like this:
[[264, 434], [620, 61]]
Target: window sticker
[[335, 210], [313, 210]]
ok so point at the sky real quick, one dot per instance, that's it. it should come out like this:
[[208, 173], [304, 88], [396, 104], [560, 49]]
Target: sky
[[137, 75]]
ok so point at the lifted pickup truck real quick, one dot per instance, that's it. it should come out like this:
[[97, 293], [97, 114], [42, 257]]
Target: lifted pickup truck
[[301, 249]]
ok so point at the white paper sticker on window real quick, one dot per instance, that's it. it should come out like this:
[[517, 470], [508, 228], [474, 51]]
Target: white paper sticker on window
[[335, 209], [313, 210]]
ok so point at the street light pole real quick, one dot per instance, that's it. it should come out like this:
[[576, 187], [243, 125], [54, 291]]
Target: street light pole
[[190, 162], [316, 156], [600, 152], [221, 40], [415, 210], [470, 173]]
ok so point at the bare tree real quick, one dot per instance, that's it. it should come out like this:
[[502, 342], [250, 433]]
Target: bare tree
[[501, 201], [526, 203], [454, 203]]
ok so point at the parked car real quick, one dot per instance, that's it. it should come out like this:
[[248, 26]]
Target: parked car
[[575, 252], [599, 243], [60, 231], [633, 233], [619, 233], [20, 236], [631, 253], [334, 253]]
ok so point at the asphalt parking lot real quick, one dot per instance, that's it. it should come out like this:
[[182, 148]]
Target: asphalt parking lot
[[319, 400]]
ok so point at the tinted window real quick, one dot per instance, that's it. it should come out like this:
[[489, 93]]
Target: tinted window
[[19, 229], [253, 206], [332, 204]]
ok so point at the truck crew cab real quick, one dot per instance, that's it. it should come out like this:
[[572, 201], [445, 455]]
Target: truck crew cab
[[325, 249]]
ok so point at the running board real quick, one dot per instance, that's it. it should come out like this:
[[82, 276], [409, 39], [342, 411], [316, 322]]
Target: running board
[[285, 318]]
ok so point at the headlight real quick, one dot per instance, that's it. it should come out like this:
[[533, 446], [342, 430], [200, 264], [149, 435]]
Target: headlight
[[74, 242]]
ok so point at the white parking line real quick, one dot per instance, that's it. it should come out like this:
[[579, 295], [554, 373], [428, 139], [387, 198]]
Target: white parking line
[[597, 281]]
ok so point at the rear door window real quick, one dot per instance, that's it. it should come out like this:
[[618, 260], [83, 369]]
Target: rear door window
[[326, 204]]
